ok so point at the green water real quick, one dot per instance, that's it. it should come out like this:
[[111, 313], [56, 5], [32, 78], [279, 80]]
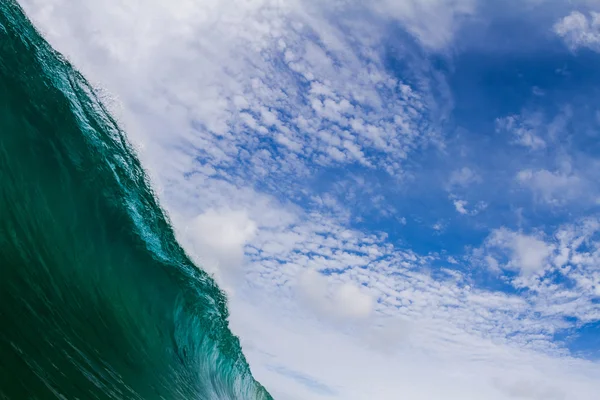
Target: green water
[[97, 299]]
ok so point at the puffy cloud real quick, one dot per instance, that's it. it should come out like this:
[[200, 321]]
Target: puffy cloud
[[527, 254], [460, 206], [579, 30], [343, 300], [553, 188], [216, 239]]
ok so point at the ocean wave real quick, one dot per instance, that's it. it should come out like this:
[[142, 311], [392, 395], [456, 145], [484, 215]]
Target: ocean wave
[[97, 298]]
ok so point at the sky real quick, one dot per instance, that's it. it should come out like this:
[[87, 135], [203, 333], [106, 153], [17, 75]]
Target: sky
[[400, 197]]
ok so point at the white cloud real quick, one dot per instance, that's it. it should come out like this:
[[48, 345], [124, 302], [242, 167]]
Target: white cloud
[[534, 129], [439, 226], [344, 300], [463, 177], [525, 130], [571, 253], [531, 389], [217, 239], [320, 362], [433, 22], [333, 116], [553, 188], [579, 30], [527, 254], [460, 206]]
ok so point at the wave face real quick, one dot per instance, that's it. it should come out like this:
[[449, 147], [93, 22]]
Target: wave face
[[97, 298]]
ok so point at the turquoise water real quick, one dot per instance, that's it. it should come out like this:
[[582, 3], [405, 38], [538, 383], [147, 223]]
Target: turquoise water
[[97, 298]]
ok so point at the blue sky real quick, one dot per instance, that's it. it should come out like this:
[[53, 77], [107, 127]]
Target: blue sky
[[393, 193]]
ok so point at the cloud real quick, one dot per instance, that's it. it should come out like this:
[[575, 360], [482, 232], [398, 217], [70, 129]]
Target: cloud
[[333, 117], [579, 30], [433, 22], [554, 188], [218, 238], [558, 268], [460, 206], [526, 254], [439, 226], [463, 177], [338, 300], [437, 310], [524, 389], [525, 130], [534, 129], [408, 366]]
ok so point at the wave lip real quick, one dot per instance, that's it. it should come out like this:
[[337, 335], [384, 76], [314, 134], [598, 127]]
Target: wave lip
[[97, 298]]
